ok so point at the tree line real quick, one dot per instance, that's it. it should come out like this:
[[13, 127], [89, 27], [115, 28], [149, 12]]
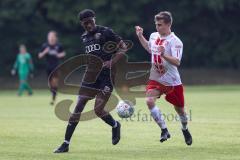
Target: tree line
[[208, 28]]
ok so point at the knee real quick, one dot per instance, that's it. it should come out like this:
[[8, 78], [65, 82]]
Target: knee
[[99, 107], [80, 105], [150, 102], [99, 112], [54, 82], [180, 110]]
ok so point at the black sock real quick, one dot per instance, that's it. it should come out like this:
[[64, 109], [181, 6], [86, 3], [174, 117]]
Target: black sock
[[69, 131], [54, 93], [109, 120]]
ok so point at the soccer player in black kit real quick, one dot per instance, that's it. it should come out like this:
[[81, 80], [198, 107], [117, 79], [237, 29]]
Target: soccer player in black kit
[[94, 38], [52, 50]]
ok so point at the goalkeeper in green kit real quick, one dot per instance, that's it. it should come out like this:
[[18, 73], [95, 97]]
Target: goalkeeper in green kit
[[24, 66]]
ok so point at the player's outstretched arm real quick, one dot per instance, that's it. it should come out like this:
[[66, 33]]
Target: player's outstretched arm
[[173, 60], [61, 55], [118, 55], [31, 66], [43, 53], [142, 39], [15, 66]]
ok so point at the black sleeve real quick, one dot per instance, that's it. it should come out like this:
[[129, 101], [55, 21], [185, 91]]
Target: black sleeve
[[60, 48], [44, 46], [112, 36]]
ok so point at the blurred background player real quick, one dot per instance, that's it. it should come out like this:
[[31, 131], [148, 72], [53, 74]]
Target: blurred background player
[[166, 51], [94, 38], [52, 50], [23, 65]]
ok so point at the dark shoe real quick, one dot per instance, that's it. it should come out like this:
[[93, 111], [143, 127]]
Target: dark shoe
[[187, 136], [116, 134], [52, 103], [63, 148], [164, 135]]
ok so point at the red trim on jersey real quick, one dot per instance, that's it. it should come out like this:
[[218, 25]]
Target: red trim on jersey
[[159, 41]]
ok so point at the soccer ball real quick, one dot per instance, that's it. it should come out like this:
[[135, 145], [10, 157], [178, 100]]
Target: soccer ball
[[125, 109]]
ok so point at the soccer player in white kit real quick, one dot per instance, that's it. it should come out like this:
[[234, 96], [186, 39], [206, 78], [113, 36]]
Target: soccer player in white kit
[[166, 51]]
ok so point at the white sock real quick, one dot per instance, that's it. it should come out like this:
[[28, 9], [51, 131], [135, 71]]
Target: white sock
[[115, 125], [158, 117], [65, 141], [184, 120]]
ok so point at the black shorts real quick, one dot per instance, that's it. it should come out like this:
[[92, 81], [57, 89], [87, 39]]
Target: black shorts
[[104, 83], [49, 71]]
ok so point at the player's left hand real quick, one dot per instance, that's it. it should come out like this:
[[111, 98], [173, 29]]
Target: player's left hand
[[13, 72], [161, 49], [139, 30], [107, 64]]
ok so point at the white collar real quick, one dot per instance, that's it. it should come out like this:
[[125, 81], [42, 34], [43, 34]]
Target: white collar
[[166, 37]]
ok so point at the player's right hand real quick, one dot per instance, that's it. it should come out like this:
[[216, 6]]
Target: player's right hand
[[43, 53], [46, 50], [161, 49], [13, 72], [139, 30]]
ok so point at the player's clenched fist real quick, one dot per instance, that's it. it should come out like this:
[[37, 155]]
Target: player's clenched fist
[[139, 30], [161, 49], [46, 50]]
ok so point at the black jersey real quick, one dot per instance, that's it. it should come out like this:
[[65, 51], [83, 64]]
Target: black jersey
[[51, 57], [94, 42]]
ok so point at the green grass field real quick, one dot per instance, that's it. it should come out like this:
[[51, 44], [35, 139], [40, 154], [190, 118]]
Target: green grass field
[[29, 130]]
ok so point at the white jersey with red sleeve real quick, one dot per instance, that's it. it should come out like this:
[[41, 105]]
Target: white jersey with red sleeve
[[163, 71]]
